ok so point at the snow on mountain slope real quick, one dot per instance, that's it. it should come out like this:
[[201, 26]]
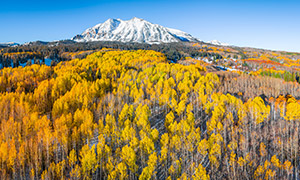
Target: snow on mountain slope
[[133, 30], [218, 43], [9, 44]]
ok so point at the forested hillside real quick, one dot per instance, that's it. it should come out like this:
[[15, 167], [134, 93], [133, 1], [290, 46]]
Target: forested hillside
[[67, 50], [133, 115]]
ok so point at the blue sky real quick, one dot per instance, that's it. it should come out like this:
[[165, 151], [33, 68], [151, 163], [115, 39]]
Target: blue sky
[[264, 24]]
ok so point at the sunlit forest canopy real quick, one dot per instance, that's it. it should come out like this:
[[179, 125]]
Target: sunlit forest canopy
[[134, 115]]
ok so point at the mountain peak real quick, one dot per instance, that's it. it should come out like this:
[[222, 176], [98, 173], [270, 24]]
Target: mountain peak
[[218, 43], [9, 44], [133, 30], [136, 19], [111, 20]]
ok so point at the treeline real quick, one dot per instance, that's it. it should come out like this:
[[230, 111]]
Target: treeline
[[250, 86], [133, 115], [286, 75], [57, 50]]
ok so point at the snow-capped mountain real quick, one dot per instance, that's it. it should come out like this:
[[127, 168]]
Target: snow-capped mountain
[[218, 43], [133, 30], [9, 44]]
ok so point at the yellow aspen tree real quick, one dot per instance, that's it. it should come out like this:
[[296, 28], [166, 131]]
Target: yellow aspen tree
[[275, 161], [200, 173], [262, 149], [129, 157], [149, 171], [180, 108], [88, 161], [258, 109], [121, 171], [72, 158], [287, 165], [270, 174], [258, 172], [169, 119], [292, 111]]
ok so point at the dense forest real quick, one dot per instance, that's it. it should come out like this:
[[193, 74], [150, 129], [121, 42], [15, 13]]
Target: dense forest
[[67, 50], [133, 115]]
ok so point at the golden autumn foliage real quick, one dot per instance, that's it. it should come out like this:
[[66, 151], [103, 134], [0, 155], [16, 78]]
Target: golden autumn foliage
[[133, 115]]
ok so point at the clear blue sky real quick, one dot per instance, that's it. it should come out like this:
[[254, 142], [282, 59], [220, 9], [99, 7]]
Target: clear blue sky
[[265, 24]]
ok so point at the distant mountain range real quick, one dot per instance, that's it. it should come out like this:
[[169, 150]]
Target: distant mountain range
[[8, 44], [218, 43], [135, 30]]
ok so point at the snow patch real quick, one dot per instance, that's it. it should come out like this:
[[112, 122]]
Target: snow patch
[[218, 43]]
